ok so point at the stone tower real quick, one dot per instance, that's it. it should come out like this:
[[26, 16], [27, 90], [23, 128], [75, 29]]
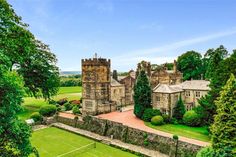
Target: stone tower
[[96, 82]]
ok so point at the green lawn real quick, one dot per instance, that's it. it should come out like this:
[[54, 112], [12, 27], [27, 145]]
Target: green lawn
[[64, 90], [53, 142], [198, 133], [32, 104]]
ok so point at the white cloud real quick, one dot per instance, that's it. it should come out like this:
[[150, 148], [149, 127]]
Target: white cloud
[[130, 59]]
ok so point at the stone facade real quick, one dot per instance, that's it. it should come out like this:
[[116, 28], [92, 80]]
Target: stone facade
[[164, 76], [96, 82], [128, 82], [165, 97], [117, 92]]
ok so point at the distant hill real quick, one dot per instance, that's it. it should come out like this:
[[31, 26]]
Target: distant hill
[[64, 73]]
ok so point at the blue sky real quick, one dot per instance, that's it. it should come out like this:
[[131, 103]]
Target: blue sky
[[128, 31]]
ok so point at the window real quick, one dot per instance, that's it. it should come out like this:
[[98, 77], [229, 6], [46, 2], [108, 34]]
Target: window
[[158, 98], [187, 93], [198, 95], [120, 90], [114, 91]]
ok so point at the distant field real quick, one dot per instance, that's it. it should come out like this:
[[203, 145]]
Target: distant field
[[64, 90], [198, 133], [53, 142], [32, 104]]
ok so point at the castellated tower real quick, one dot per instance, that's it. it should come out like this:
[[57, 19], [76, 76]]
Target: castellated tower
[[96, 82]]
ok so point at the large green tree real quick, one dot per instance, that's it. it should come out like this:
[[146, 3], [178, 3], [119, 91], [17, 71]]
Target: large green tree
[[190, 64], [26, 64], [218, 73], [142, 94], [224, 127]]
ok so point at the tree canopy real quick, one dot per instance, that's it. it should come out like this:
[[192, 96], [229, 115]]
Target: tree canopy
[[26, 64], [218, 76], [190, 64], [224, 127]]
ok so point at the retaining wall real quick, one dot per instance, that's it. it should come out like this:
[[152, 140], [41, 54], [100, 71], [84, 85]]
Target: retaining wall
[[127, 134]]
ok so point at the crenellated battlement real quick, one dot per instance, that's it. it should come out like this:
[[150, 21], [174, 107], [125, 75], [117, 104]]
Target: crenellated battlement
[[96, 62]]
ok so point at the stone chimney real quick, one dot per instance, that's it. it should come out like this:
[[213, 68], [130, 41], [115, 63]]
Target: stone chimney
[[114, 75], [175, 66]]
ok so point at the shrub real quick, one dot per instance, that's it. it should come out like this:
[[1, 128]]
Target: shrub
[[76, 110], [62, 101], [157, 120], [68, 106], [61, 108], [36, 117], [48, 110], [175, 137], [174, 121], [166, 118], [145, 142], [205, 152], [149, 113], [53, 102], [191, 118]]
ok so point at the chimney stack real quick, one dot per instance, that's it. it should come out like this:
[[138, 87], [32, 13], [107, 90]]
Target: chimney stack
[[175, 66]]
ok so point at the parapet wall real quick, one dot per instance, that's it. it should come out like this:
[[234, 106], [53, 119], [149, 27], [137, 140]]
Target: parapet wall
[[134, 136], [96, 62]]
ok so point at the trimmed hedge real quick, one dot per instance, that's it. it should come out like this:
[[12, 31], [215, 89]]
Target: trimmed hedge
[[149, 113], [191, 118], [36, 116], [47, 110], [157, 120]]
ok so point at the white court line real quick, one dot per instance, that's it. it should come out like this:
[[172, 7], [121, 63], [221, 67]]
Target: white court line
[[74, 150]]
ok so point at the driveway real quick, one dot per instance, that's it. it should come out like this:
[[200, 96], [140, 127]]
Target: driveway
[[129, 119]]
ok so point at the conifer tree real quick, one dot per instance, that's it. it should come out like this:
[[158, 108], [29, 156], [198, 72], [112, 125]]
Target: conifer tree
[[142, 94], [179, 109], [224, 126]]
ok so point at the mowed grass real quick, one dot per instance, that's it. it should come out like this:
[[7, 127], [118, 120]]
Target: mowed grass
[[64, 90], [52, 142], [198, 133], [32, 104]]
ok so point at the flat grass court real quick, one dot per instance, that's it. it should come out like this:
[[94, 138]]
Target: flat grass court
[[54, 142]]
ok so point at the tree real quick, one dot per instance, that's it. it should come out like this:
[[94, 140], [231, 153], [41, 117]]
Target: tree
[[25, 63], [218, 76], [142, 94], [214, 57], [190, 64], [179, 110], [223, 129]]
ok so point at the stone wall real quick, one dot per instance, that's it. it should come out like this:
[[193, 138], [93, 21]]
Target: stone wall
[[134, 136]]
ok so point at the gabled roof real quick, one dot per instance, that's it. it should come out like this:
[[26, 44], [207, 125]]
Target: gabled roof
[[196, 85], [115, 83], [187, 85], [164, 88]]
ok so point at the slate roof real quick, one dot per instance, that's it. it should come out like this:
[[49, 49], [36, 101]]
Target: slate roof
[[164, 88], [187, 85], [196, 85], [115, 83]]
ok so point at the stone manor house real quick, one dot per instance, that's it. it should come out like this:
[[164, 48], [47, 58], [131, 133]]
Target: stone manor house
[[102, 92]]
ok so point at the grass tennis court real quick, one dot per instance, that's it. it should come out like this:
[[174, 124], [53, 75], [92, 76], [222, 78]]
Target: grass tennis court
[[54, 142]]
